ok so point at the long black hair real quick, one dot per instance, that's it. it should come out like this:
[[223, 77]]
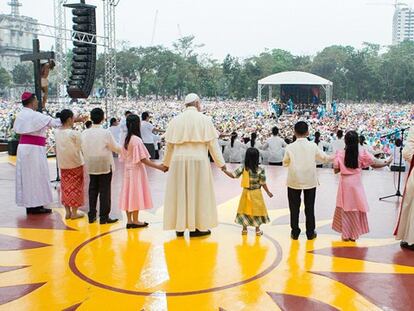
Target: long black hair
[[64, 115], [233, 138], [362, 140], [317, 138], [253, 138], [251, 160], [351, 149], [134, 128]]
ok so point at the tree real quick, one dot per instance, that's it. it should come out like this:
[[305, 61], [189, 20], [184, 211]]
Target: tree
[[5, 78], [330, 64], [397, 72], [357, 74], [22, 74]]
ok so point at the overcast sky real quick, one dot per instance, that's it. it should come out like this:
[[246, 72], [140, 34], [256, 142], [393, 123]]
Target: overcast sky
[[240, 27]]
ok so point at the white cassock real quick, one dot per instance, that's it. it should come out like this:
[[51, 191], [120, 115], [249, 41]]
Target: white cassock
[[405, 222], [189, 199], [32, 171]]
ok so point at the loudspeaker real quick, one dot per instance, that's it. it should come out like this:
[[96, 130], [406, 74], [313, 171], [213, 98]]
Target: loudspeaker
[[82, 76]]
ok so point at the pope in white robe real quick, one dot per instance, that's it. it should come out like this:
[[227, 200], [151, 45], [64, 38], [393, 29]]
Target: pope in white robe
[[190, 200], [405, 224], [32, 172]]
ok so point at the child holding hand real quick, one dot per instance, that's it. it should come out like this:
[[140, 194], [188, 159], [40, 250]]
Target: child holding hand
[[252, 209]]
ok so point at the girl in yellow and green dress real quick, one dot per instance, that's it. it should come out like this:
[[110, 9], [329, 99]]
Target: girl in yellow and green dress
[[252, 209]]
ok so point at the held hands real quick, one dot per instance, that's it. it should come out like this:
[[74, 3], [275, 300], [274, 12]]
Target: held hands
[[163, 168]]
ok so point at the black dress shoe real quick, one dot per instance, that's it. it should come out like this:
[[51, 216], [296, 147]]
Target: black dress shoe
[[198, 233], [91, 219], [179, 233], [134, 226], [30, 210], [38, 210], [407, 246], [108, 221], [312, 236]]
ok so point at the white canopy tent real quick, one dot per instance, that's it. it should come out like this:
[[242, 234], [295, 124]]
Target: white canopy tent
[[295, 78]]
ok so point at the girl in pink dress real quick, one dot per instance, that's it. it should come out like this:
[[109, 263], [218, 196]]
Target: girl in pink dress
[[135, 192], [350, 217]]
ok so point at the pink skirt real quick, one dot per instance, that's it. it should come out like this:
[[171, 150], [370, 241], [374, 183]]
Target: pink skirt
[[350, 224], [135, 192], [72, 187], [351, 194]]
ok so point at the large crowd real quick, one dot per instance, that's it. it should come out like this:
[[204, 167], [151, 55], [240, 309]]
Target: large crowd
[[189, 198], [244, 118]]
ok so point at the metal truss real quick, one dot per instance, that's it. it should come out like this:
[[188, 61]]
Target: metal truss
[[61, 35], [60, 48], [110, 50], [68, 34]]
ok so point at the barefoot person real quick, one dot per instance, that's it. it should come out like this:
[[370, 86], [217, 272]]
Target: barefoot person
[[405, 224], [70, 161], [32, 171], [189, 200]]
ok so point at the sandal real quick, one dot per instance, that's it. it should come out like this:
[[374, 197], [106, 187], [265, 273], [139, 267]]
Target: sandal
[[259, 233]]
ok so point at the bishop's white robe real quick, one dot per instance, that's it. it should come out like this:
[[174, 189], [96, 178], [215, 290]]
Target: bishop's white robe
[[405, 224], [190, 200], [32, 171]]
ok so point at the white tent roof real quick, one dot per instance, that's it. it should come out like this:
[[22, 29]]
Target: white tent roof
[[294, 77]]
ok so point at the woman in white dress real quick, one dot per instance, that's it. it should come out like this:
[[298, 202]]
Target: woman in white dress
[[235, 150], [322, 145], [254, 143]]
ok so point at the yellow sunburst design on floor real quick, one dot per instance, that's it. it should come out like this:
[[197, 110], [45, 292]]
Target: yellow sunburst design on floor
[[106, 267]]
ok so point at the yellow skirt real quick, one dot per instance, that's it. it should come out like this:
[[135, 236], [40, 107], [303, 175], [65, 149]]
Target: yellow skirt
[[252, 203]]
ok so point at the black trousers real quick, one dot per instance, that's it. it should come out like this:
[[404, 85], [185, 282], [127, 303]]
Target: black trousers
[[100, 186], [151, 150], [294, 197]]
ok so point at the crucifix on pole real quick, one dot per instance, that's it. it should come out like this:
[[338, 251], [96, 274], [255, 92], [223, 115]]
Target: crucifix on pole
[[36, 57]]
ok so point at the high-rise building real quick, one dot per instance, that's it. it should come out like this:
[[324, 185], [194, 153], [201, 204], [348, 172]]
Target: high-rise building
[[403, 25], [16, 35]]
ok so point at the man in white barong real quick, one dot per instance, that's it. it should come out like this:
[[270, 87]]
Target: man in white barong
[[32, 172], [405, 223], [190, 200]]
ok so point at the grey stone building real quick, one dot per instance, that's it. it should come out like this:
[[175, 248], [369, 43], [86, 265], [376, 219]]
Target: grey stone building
[[16, 35]]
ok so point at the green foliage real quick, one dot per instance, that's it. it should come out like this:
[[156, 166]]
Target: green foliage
[[357, 74], [5, 78], [23, 74]]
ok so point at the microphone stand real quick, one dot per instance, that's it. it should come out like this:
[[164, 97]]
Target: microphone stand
[[57, 180], [398, 192]]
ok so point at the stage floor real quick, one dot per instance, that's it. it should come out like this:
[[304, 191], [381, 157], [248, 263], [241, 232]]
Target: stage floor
[[48, 263]]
